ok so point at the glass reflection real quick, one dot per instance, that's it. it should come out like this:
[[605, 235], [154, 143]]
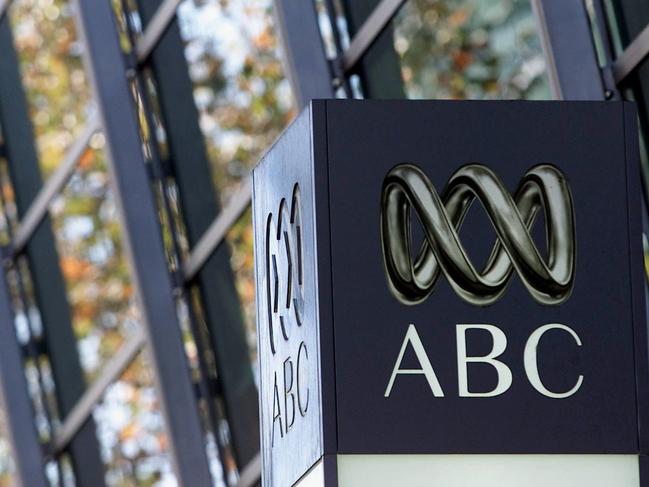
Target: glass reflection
[[470, 49], [52, 73], [88, 236], [240, 89], [130, 427]]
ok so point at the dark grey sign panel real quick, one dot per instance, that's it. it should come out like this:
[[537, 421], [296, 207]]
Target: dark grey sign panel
[[470, 273]]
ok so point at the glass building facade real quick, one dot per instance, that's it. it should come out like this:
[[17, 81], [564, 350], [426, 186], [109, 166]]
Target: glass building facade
[[127, 132]]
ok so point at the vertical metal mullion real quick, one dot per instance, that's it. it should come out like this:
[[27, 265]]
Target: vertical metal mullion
[[342, 80], [43, 260], [631, 69], [604, 29], [16, 403], [32, 348], [571, 58], [205, 384], [142, 232], [187, 158], [304, 52]]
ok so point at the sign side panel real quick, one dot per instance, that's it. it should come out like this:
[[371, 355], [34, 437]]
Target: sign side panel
[[325, 291], [287, 318], [636, 275]]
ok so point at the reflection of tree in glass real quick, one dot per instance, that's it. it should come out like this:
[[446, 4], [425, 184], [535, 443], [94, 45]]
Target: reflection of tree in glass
[[244, 101], [92, 261], [131, 431], [52, 74], [240, 238], [240, 90], [6, 462], [88, 241], [470, 49]]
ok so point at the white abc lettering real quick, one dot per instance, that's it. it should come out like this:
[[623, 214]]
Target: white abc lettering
[[499, 346], [530, 360], [412, 338]]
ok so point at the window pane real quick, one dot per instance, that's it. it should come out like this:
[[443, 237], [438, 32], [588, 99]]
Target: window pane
[[52, 73], [240, 89], [131, 430], [7, 468], [632, 17], [626, 20], [469, 49], [99, 288], [240, 240]]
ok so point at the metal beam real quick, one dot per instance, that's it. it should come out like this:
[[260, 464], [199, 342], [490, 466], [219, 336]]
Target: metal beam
[[199, 203], [49, 286], [4, 7], [111, 371], [217, 231], [305, 59], [339, 78], [370, 31], [53, 186], [632, 56], [572, 64], [371, 54], [631, 18], [139, 219], [16, 403], [155, 29], [251, 474]]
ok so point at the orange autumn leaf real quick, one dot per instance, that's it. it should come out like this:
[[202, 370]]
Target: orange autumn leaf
[[74, 269], [462, 59], [85, 309], [129, 431], [458, 18], [264, 40], [87, 159]]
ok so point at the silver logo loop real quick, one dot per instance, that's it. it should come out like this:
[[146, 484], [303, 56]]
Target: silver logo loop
[[284, 268], [411, 281]]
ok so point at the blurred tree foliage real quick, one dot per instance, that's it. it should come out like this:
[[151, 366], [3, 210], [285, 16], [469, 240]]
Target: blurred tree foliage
[[83, 217], [470, 49], [244, 101], [240, 90], [88, 238], [52, 73]]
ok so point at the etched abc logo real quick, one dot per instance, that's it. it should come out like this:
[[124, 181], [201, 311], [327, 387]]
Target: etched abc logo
[[411, 279], [284, 269]]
